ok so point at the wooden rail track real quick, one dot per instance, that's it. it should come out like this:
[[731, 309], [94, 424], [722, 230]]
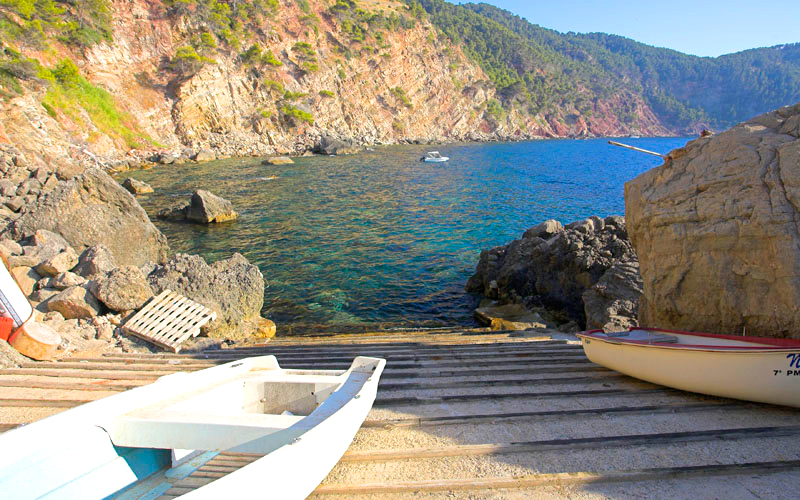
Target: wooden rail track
[[451, 407]]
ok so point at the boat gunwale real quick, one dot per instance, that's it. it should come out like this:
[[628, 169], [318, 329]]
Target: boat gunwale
[[778, 345]]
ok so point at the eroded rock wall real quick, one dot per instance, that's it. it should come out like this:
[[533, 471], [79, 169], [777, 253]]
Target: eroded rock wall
[[717, 231]]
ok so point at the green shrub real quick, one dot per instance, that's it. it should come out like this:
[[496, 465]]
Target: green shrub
[[341, 74], [495, 110], [401, 96], [187, 61], [292, 112], [293, 96], [274, 86], [69, 90], [304, 49], [326, 93], [309, 66]]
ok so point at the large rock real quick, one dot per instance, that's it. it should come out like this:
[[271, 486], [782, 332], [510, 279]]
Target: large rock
[[75, 303], [277, 160], [95, 259], [59, 263], [717, 233], [233, 288], [135, 186], [509, 317], [206, 207], [93, 209], [552, 266], [612, 304], [205, 155], [331, 146], [122, 289]]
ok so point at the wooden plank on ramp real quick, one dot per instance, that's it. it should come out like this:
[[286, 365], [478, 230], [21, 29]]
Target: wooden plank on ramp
[[168, 320]]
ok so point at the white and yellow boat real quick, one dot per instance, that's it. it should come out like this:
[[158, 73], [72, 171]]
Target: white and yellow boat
[[761, 369]]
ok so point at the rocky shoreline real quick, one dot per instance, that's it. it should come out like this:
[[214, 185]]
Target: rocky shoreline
[[87, 256], [580, 276]]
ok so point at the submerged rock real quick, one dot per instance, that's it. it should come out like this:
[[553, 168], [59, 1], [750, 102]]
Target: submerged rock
[[278, 160], [716, 230]]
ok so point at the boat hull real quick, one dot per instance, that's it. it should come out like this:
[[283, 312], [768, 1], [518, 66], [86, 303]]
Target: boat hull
[[115, 447], [753, 374]]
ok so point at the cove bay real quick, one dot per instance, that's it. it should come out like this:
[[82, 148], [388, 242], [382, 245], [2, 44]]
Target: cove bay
[[380, 240]]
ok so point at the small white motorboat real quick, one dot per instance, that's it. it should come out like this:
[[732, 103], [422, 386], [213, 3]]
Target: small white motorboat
[[761, 369], [434, 157], [135, 444]]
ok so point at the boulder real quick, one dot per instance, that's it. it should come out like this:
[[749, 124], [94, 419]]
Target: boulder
[[59, 263], [206, 207], [95, 259], [205, 155], [612, 304], [75, 303], [278, 160], [552, 266], [93, 209], [136, 187], [331, 146], [544, 230], [10, 247], [175, 213], [64, 280], [716, 231], [26, 278], [233, 288], [122, 289], [509, 317]]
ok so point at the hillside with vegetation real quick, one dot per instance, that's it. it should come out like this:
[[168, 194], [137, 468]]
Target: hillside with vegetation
[[101, 80], [539, 69]]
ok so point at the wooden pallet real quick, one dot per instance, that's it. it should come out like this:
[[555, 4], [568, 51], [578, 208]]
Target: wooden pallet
[[168, 320]]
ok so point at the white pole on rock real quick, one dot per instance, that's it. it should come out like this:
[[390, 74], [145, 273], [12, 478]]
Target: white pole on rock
[[614, 143]]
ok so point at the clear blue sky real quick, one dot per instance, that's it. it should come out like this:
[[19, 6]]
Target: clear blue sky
[[702, 28]]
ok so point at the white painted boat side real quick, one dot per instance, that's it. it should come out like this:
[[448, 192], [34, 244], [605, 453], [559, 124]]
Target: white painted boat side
[[303, 463], [761, 375]]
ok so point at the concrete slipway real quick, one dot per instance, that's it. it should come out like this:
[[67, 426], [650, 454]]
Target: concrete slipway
[[480, 415]]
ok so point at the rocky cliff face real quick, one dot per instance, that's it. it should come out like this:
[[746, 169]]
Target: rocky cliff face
[[388, 85], [717, 233]]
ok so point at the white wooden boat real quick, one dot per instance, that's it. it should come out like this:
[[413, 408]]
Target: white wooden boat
[[761, 369], [133, 445], [434, 157]]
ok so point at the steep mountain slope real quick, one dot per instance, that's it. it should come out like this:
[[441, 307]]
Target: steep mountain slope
[[685, 92], [94, 80]]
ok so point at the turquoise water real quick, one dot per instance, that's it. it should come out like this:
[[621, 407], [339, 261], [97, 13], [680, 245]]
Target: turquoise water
[[382, 240]]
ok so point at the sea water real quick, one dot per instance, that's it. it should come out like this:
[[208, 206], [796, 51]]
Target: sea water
[[381, 240]]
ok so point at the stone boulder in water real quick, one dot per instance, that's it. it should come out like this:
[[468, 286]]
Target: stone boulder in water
[[206, 207], [717, 233]]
